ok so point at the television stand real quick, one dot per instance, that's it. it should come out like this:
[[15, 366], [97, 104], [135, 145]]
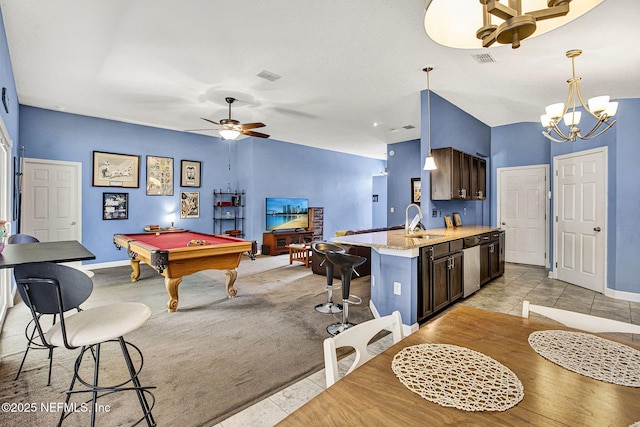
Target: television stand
[[276, 242]]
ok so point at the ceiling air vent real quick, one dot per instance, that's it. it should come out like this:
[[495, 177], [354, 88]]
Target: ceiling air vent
[[268, 75], [483, 58], [407, 127]]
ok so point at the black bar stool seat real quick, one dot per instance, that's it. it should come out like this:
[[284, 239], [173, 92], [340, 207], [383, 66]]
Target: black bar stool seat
[[346, 263], [320, 248]]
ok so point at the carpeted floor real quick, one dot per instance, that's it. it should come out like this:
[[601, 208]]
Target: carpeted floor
[[209, 360]]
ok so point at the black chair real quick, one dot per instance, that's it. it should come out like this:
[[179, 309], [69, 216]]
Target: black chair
[[320, 248], [33, 341], [21, 238], [346, 263], [48, 289]]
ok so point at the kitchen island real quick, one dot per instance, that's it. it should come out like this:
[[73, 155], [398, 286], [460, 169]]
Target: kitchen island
[[403, 269]]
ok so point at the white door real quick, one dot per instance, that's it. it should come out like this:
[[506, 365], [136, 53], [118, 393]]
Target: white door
[[52, 200], [523, 212], [6, 297], [580, 218]]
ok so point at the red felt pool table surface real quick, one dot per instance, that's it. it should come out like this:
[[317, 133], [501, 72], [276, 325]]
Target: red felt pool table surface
[[171, 254]]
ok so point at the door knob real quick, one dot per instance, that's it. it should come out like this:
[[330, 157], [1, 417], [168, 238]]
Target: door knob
[[73, 223], [504, 223], [597, 229]]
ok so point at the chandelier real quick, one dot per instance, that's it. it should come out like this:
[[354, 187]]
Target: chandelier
[[599, 108], [517, 25]]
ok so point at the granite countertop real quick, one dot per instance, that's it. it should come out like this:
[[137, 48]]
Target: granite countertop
[[396, 239]]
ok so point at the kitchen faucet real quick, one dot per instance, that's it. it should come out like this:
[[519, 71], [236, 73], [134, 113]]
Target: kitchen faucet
[[407, 228]]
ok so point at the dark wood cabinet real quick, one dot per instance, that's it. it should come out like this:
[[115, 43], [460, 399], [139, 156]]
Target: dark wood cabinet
[[442, 279], [491, 256], [478, 178], [460, 176], [275, 243]]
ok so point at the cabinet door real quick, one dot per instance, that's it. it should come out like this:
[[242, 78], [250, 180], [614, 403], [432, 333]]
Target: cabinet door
[[481, 192], [425, 301], [456, 175], [494, 259], [465, 176], [441, 178], [485, 272], [440, 283], [456, 277]]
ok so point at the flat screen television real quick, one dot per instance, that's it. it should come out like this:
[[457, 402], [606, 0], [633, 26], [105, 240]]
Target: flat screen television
[[286, 213]]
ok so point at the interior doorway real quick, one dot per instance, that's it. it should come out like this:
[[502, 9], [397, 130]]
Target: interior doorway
[[580, 218], [52, 200], [6, 296], [523, 211]]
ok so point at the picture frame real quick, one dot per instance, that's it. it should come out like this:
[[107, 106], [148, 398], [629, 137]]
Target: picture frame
[[189, 204], [190, 173], [115, 206], [416, 190], [447, 221], [457, 220], [116, 170], [159, 176]]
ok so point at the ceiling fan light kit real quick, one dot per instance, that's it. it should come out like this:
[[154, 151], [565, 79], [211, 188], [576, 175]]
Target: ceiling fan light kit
[[599, 107], [232, 129]]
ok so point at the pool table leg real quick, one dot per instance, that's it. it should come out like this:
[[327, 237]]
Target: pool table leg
[[232, 274], [135, 266], [172, 289]]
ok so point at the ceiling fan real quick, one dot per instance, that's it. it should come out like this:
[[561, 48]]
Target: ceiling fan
[[231, 129]]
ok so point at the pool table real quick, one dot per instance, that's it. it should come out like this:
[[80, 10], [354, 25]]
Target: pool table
[[180, 253]]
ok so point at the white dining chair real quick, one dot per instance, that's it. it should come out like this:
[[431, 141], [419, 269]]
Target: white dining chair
[[358, 337], [586, 322]]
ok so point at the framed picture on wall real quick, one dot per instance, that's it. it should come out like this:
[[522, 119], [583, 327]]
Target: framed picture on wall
[[416, 190], [189, 204], [159, 176], [115, 170], [190, 173], [115, 205]]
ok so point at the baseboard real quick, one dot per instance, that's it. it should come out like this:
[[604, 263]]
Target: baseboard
[[406, 329], [623, 295], [106, 265]]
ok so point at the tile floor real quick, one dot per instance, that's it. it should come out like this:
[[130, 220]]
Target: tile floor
[[504, 294]]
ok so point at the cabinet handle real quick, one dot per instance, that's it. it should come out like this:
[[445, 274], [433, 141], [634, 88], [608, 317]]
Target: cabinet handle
[[491, 248], [453, 263]]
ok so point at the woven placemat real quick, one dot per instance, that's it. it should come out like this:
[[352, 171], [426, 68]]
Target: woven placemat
[[457, 377], [589, 355]]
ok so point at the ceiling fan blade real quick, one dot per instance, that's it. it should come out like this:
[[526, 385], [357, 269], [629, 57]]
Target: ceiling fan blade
[[198, 130], [252, 133], [252, 125], [210, 121]]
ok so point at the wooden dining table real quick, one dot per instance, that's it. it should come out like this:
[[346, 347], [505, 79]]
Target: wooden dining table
[[372, 395]]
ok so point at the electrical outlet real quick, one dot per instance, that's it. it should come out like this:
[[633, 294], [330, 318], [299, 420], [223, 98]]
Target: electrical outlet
[[392, 209], [397, 288]]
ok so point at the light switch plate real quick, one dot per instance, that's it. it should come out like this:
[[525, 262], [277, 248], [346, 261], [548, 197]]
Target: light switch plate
[[397, 288]]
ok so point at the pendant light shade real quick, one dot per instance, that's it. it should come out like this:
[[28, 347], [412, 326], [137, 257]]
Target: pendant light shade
[[429, 163]]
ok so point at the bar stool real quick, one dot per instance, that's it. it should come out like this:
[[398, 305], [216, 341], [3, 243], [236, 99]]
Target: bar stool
[[46, 288], [320, 248], [346, 263]]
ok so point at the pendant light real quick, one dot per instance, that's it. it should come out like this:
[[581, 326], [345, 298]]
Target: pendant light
[[429, 163]]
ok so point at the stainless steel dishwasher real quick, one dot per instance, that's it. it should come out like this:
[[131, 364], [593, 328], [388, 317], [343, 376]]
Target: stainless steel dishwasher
[[471, 254]]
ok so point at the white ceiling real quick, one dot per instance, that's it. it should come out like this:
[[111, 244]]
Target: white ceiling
[[345, 64]]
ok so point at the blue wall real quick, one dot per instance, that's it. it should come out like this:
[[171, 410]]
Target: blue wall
[[11, 118], [264, 168], [402, 166], [453, 127]]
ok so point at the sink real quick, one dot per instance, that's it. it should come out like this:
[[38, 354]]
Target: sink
[[423, 235]]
